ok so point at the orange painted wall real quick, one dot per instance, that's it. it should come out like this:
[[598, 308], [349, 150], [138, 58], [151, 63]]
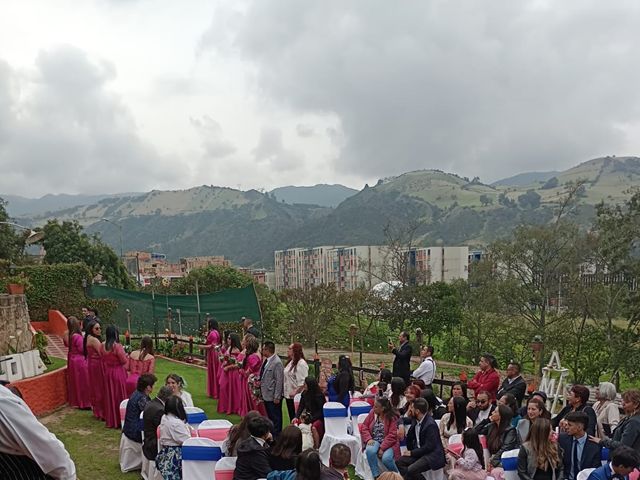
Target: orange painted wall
[[56, 325], [44, 393]]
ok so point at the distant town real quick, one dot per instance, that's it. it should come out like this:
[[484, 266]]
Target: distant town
[[348, 267]]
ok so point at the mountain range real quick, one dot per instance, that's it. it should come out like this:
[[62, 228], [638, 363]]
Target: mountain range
[[247, 226]]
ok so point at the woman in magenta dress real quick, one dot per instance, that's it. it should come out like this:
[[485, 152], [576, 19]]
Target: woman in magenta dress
[[213, 363], [250, 372], [93, 354], [228, 395], [140, 362], [77, 370], [115, 377]]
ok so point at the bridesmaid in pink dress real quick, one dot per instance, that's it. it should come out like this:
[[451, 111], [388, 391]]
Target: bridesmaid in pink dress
[[229, 396], [251, 365], [115, 377], [93, 354], [213, 363], [77, 369], [140, 362]]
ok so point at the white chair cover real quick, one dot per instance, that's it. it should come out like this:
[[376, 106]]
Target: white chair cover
[[195, 416], [216, 430], [584, 474], [199, 458], [130, 454], [356, 409], [296, 401], [434, 474], [335, 425], [225, 468], [455, 439], [123, 411], [509, 462]]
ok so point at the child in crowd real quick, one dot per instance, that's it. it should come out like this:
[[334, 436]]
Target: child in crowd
[[310, 437], [469, 464]]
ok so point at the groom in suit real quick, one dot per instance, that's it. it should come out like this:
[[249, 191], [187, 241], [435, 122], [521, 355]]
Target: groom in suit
[[578, 452], [272, 385]]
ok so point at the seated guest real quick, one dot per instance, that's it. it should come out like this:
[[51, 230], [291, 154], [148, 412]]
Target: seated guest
[[237, 434], [540, 458], [253, 453], [628, 430], [623, 461], [411, 393], [177, 384], [542, 396], [174, 431], [310, 437], [424, 447], [136, 405], [372, 388], [341, 386], [510, 401], [535, 409], [487, 378], [286, 449], [513, 384], [27, 448], [151, 418], [469, 465], [312, 400], [339, 460], [438, 408], [607, 411], [459, 389], [577, 398], [455, 421], [308, 467], [397, 393], [379, 436], [578, 452], [480, 409], [501, 436]]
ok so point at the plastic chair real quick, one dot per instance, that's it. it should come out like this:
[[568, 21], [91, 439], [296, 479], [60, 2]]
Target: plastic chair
[[199, 458], [216, 430], [584, 474], [509, 462], [123, 411], [130, 455], [455, 443], [225, 468], [335, 419]]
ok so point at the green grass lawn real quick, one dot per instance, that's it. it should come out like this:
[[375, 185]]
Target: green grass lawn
[[94, 448], [55, 364]]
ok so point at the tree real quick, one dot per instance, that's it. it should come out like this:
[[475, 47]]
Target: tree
[[485, 200], [530, 199], [312, 311], [67, 243], [505, 201], [212, 278], [435, 308], [551, 183], [11, 243]]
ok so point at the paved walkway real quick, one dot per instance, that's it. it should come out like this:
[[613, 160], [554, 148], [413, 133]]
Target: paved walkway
[[56, 347]]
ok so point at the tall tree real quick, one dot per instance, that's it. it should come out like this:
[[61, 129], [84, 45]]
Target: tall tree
[[11, 243]]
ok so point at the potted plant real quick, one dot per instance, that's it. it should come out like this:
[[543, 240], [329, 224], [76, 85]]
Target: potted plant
[[16, 284]]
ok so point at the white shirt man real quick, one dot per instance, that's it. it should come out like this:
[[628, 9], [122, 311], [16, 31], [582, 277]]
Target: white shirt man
[[22, 435], [426, 371]]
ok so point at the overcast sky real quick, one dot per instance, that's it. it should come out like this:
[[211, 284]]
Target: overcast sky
[[130, 95]]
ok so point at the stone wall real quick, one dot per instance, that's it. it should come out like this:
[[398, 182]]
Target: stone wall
[[15, 332]]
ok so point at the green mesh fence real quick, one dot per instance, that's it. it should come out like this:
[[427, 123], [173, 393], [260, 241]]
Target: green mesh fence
[[150, 313]]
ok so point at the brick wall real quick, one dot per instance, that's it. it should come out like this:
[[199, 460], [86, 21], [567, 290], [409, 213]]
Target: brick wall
[[44, 393]]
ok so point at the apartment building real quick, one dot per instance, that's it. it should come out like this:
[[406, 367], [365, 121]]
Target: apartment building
[[349, 267], [191, 263]]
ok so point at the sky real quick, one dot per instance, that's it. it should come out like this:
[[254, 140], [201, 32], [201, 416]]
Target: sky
[[105, 96]]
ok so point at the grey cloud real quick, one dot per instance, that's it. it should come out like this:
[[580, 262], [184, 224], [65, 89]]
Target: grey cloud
[[213, 142], [479, 88], [304, 130], [271, 149], [67, 132]]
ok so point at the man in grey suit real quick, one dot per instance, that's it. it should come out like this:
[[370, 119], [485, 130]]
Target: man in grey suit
[[272, 385]]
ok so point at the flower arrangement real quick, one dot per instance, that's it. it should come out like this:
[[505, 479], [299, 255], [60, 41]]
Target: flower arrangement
[[254, 387]]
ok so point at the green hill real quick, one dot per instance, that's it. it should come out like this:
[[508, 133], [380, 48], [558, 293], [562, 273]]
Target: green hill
[[248, 226]]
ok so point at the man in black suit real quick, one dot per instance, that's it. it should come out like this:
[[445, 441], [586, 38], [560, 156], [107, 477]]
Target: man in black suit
[[578, 452], [480, 409], [424, 446], [514, 383], [402, 360], [151, 417]]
